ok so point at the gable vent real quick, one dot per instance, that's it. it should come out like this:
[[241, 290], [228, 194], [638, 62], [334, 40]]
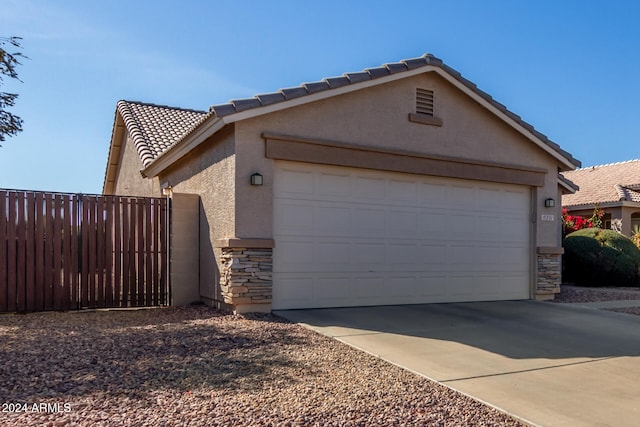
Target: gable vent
[[424, 102]]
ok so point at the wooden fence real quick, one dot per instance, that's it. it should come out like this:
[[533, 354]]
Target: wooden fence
[[74, 251]]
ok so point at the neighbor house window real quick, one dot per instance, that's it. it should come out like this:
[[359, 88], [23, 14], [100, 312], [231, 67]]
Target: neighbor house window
[[425, 108], [635, 221]]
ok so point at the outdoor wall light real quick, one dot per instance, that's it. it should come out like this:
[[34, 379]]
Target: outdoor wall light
[[256, 179], [549, 203]]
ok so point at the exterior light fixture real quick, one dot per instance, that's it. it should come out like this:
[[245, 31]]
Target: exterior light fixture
[[256, 179], [549, 203]]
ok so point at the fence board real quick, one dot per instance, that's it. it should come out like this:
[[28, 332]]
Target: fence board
[[3, 251], [30, 296], [164, 268], [125, 252], [75, 251], [39, 251], [20, 254], [108, 251], [101, 254], [155, 280], [67, 272], [11, 253], [131, 297], [58, 302], [140, 252], [117, 247], [48, 252], [148, 215]]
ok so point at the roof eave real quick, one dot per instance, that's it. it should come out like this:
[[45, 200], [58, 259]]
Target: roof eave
[[568, 185], [113, 159], [609, 204]]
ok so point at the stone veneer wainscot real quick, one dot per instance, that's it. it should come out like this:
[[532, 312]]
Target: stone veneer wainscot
[[549, 272], [246, 281]]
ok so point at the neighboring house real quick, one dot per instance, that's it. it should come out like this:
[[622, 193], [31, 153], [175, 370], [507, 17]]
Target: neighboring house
[[399, 184], [615, 188]]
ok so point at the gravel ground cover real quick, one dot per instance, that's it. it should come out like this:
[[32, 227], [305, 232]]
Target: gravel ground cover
[[195, 366], [571, 294]]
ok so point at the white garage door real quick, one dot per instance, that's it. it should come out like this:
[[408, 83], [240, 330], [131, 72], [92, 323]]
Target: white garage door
[[354, 237]]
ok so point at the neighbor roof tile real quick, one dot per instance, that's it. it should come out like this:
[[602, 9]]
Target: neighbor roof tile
[[612, 182]]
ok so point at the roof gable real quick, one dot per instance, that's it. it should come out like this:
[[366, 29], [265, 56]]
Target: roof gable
[[241, 109], [153, 130], [614, 182], [162, 135]]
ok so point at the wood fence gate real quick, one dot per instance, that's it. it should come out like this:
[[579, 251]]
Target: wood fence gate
[[74, 251]]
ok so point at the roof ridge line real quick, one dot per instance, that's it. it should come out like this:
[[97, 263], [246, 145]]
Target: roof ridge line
[[151, 104], [236, 105], [607, 164]]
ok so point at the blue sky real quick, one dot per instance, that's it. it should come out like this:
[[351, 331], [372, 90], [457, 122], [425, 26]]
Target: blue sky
[[570, 68]]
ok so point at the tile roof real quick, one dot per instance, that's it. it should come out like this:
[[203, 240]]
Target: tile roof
[[155, 128], [263, 100], [612, 182]]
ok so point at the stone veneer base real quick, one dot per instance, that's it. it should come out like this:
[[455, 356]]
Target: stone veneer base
[[549, 272], [246, 275]]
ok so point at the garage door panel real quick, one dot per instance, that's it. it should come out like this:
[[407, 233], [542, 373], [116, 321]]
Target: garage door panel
[[433, 224], [403, 191], [405, 255], [348, 237], [368, 188], [333, 219], [461, 197], [295, 182], [334, 185], [333, 255], [370, 221], [294, 218], [370, 255], [300, 255], [515, 201], [433, 194], [403, 223]]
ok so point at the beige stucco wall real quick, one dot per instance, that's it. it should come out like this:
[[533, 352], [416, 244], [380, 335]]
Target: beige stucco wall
[[209, 172], [129, 181], [185, 259], [378, 117]]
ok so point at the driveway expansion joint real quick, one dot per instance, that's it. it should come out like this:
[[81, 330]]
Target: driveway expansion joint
[[522, 371]]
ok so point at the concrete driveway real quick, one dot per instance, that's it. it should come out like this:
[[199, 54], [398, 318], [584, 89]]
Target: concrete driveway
[[547, 364]]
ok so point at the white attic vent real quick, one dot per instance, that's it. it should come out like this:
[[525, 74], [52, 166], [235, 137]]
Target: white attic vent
[[424, 102]]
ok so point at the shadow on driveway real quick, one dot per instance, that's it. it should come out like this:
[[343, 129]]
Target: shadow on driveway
[[514, 329], [547, 364]]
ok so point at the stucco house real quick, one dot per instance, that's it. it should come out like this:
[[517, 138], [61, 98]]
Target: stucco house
[[399, 184], [614, 188]]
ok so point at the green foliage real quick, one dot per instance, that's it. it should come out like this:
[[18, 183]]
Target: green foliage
[[635, 236], [596, 257], [10, 124]]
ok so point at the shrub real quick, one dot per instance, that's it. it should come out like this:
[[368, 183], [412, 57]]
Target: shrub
[[596, 257]]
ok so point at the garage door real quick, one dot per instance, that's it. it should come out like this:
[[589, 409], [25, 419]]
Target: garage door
[[354, 237]]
